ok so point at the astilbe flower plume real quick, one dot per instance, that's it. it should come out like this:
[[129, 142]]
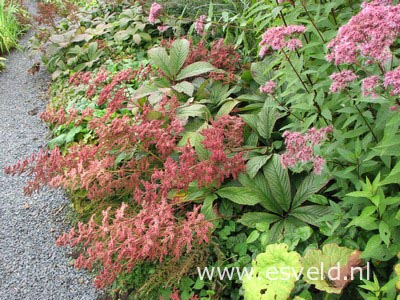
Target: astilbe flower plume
[[341, 80], [299, 148], [369, 34], [280, 37], [155, 11], [153, 172]]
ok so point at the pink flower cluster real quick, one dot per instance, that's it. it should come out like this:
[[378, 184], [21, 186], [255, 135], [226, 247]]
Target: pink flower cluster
[[155, 11], [369, 85], [299, 148], [199, 24], [369, 34], [280, 37], [392, 79], [341, 80], [268, 88]]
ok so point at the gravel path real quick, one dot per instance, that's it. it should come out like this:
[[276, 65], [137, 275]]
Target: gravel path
[[31, 266]]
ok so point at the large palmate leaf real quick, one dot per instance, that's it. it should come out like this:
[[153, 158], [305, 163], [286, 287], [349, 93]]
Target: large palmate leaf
[[178, 54], [328, 269], [274, 274], [267, 118], [278, 181]]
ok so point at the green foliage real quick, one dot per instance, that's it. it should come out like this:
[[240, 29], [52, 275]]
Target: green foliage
[[10, 28], [265, 282]]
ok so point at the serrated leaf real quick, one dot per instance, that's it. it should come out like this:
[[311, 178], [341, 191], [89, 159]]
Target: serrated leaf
[[227, 107], [393, 177], [195, 69], [384, 232], [255, 164], [251, 219], [240, 195], [309, 186], [184, 87], [160, 58], [278, 181], [208, 211], [178, 54], [311, 213], [266, 120], [263, 284], [323, 262]]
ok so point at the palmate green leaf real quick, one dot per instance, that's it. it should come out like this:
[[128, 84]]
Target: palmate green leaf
[[266, 284], [311, 213], [240, 195], [195, 69], [178, 54], [308, 187], [251, 219], [160, 58], [278, 181], [323, 260]]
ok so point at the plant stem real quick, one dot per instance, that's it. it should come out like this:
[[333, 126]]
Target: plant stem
[[312, 21], [294, 69]]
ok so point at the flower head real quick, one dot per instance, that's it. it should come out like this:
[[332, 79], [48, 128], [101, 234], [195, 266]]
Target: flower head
[[392, 79], [155, 11], [369, 85], [199, 24], [341, 80], [268, 88], [281, 37]]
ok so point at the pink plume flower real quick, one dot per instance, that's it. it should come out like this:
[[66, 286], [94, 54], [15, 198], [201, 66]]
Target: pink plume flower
[[341, 80], [199, 24], [281, 37], [155, 11]]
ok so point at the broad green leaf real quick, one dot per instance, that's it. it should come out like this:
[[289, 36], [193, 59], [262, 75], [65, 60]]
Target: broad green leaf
[[267, 119], [260, 71], [195, 69], [384, 232], [178, 54], [319, 267], [374, 249], [253, 236], [255, 164], [274, 274], [227, 107], [184, 87], [160, 58], [208, 211], [278, 181], [251, 219], [240, 195], [393, 177], [308, 187], [311, 213]]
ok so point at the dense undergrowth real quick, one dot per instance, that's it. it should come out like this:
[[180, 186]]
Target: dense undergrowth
[[245, 134], [13, 19]]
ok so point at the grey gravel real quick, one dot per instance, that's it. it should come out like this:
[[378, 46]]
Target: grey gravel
[[31, 265]]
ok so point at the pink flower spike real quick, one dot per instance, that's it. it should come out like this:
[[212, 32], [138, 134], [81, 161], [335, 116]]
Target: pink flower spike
[[155, 11]]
